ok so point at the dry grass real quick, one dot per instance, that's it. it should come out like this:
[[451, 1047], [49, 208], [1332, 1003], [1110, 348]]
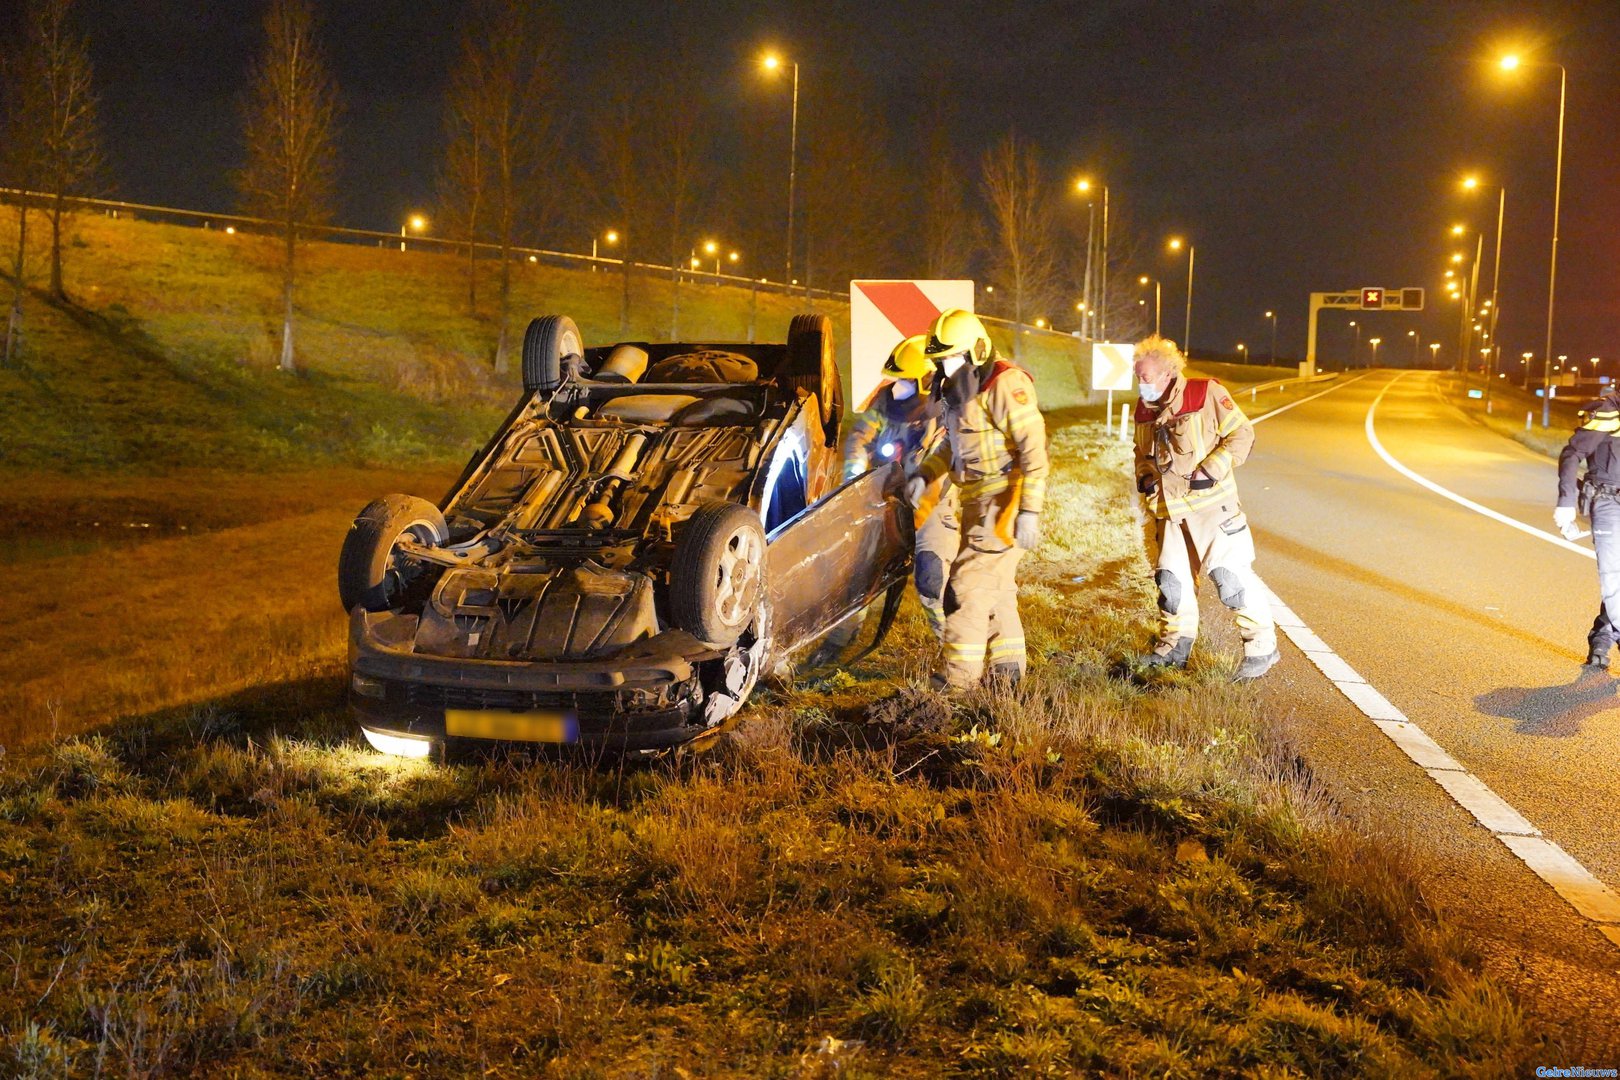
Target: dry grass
[[1093, 875]]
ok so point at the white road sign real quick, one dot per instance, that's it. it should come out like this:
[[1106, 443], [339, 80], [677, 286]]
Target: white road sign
[[884, 313], [1111, 366]]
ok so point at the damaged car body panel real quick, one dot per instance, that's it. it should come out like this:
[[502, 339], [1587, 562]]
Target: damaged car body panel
[[624, 559]]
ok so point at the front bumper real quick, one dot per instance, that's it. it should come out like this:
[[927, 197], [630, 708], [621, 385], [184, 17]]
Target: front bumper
[[645, 697]]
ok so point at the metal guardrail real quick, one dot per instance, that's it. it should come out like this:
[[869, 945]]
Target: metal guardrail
[[531, 254]]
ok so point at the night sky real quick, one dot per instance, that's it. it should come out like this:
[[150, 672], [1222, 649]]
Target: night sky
[[1302, 146]]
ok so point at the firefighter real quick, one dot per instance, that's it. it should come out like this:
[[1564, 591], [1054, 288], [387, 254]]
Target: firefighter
[[995, 452], [1595, 445], [1190, 439], [902, 422]]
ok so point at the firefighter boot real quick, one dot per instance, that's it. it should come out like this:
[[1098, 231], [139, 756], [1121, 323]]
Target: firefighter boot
[[1165, 655], [1006, 676], [1255, 666]]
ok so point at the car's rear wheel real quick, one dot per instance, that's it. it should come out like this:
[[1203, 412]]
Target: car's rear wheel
[[549, 341], [717, 573], [812, 365], [369, 569]]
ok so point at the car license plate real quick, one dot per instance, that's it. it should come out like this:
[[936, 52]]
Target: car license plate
[[534, 725]]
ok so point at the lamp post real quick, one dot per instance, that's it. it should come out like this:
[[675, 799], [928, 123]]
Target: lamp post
[[773, 62], [1355, 350], [1434, 353], [1471, 183], [1417, 344], [1374, 343], [1272, 358], [1157, 296], [713, 249], [1243, 352], [415, 223], [1192, 253], [1096, 285], [1513, 62]]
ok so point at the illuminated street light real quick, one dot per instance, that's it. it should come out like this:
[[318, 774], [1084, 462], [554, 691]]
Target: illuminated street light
[[1471, 183], [1434, 353], [1244, 349], [1512, 62], [1456, 257], [772, 63], [1374, 343], [1192, 253], [1417, 343], [1040, 324], [1157, 298], [1458, 230], [1272, 357], [1095, 285], [1355, 350], [415, 223]]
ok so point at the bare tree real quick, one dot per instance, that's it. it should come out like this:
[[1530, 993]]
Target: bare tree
[[504, 94], [20, 120], [951, 235], [69, 154], [290, 131], [679, 143], [853, 198], [464, 176], [1021, 228], [621, 178]]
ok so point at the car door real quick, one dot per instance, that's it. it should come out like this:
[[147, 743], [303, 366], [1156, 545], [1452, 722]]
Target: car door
[[837, 556]]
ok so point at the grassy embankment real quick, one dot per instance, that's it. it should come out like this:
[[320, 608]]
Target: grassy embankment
[[1508, 408], [1090, 875]]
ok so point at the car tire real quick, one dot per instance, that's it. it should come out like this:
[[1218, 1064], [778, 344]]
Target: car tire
[[367, 572], [717, 573], [812, 365], [548, 343]]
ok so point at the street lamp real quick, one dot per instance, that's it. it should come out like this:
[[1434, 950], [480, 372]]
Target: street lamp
[[1096, 287], [1272, 315], [1355, 350], [1192, 253], [610, 238], [1434, 353], [1243, 352], [1417, 343], [1158, 296], [772, 62], [415, 223], [1374, 343], [1512, 62]]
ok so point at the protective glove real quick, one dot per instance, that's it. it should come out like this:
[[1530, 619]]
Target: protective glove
[[1174, 485], [1564, 519], [1146, 484], [916, 488], [1027, 530]]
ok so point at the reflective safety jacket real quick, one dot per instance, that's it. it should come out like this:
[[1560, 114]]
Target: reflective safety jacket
[[996, 441], [890, 429], [1195, 430], [1596, 445]]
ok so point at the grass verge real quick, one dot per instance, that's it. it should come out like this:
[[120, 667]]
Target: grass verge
[[1093, 874]]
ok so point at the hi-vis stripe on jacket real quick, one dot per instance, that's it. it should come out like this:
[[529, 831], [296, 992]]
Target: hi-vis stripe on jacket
[[1195, 428], [997, 441]]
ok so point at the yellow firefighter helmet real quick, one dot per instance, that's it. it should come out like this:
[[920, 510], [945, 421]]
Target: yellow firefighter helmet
[[959, 332], [908, 361]]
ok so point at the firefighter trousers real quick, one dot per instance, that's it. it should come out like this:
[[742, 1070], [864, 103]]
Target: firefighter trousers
[[937, 543], [1217, 541], [981, 597]]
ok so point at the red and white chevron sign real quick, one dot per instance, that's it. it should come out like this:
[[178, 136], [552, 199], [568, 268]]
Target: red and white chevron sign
[[884, 313]]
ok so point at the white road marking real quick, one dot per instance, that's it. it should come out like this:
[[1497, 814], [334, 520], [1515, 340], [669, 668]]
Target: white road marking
[[1446, 493], [1552, 864], [1296, 404]]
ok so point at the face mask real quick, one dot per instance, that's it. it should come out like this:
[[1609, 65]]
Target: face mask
[[1148, 391], [903, 389], [952, 364]]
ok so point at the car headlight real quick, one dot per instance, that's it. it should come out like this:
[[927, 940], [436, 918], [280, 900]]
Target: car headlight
[[366, 686]]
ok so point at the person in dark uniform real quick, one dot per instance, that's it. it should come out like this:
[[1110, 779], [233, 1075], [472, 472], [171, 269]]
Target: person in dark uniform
[[1595, 447]]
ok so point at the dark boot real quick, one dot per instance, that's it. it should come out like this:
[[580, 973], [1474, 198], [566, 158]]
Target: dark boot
[[1167, 656], [1006, 676]]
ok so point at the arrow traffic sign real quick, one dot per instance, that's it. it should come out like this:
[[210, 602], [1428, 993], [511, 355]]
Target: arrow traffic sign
[[1111, 365]]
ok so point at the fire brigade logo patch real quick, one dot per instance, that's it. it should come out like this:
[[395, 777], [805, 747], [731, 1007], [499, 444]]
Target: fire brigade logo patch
[[1226, 402], [1021, 396]]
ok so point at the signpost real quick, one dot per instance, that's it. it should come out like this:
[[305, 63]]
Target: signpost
[[882, 314], [1367, 298]]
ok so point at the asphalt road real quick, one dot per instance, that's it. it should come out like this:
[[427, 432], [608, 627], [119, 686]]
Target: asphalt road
[[1475, 631]]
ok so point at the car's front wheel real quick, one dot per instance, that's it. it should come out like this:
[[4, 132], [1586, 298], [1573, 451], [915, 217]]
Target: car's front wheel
[[369, 570], [717, 574]]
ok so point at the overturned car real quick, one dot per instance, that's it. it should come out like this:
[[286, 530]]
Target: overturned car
[[652, 528]]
